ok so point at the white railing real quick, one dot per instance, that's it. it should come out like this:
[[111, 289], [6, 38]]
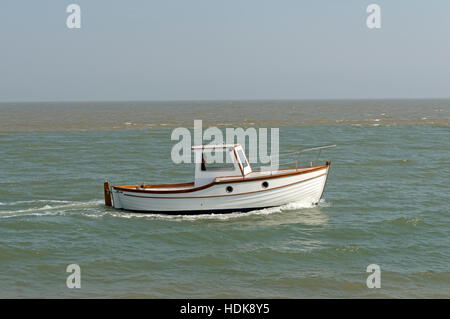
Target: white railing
[[297, 161]]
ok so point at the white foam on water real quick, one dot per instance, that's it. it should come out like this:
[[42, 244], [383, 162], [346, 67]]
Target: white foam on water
[[33, 201], [100, 211], [48, 209], [234, 215], [94, 214], [324, 203], [33, 215]]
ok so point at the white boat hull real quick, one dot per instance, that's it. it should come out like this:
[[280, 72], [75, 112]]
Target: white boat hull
[[247, 194]]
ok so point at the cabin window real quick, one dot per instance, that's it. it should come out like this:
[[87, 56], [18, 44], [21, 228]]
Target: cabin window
[[229, 189], [265, 184], [220, 161], [242, 158]]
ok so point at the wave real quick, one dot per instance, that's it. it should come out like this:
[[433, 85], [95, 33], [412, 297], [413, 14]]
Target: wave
[[47, 209], [33, 201], [221, 217], [96, 209], [404, 221]]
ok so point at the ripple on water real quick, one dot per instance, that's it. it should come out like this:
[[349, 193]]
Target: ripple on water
[[47, 209], [308, 214]]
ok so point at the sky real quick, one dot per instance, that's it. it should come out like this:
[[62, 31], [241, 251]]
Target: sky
[[223, 49]]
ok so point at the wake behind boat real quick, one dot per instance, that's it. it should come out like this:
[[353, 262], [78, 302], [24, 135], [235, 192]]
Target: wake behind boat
[[230, 187]]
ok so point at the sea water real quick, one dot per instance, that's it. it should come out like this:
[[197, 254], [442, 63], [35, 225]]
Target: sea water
[[386, 202]]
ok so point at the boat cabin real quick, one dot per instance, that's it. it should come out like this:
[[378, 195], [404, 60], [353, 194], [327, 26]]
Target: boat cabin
[[213, 161]]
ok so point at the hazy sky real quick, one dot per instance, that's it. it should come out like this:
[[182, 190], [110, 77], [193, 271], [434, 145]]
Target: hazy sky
[[223, 49]]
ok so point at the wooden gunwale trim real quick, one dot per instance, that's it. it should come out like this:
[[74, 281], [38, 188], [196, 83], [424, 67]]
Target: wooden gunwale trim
[[225, 195], [305, 169], [133, 187], [240, 180], [267, 177], [294, 168]]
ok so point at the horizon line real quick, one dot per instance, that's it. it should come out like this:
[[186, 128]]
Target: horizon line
[[227, 100]]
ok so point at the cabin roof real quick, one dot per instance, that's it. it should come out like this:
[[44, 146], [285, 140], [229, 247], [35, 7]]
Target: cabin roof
[[210, 146]]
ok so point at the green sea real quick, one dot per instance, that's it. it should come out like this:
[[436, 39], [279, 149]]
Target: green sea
[[386, 202]]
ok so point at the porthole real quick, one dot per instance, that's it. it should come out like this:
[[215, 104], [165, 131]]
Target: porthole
[[229, 189], [265, 184]]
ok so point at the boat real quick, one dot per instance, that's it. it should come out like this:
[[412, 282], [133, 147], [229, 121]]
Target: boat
[[225, 188]]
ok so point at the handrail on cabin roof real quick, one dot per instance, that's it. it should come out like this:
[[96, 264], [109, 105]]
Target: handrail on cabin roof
[[208, 146]]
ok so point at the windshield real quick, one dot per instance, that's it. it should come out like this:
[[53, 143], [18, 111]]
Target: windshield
[[242, 158]]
